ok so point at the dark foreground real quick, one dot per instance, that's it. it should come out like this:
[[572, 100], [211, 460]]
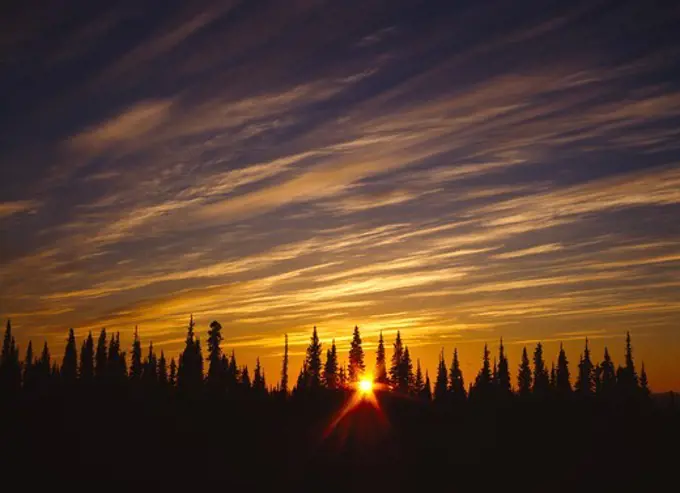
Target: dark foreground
[[136, 442]]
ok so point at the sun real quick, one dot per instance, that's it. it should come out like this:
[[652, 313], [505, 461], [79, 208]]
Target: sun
[[366, 385]]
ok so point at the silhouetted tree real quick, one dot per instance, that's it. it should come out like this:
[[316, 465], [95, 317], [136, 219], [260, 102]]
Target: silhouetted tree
[[313, 360], [553, 377], [644, 384], [302, 383], [342, 377], [216, 380], [356, 357], [245, 379], [380, 362], [87, 360], [426, 393], [330, 371], [440, 383], [283, 387], [136, 367], [397, 356], [116, 364], [606, 376], [43, 368], [162, 371], [172, 374], [524, 375], [585, 383], [190, 370], [540, 376], [484, 381], [503, 375], [418, 383], [456, 384], [150, 369], [233, 376], [69, 365], [10, 368], [100, 357], [563, 378], [406, 376], [259, 385], [627, 378], [29, 368]]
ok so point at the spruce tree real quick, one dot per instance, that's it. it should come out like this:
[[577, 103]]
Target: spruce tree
[[540, 376], [216, 379], [29, 368], [553, 376], [162, 371], [380, 363], [644, 384], [136, 367], [87, 360], [585, 383], [563, 380], [100, 357], [330, 372], [190, 369], [42, 367], [313, 359], [484, 381], [406, 376], [69, 365], [628, 381], [426, 394], [10, 367], [524, 375], [419, 383], [150, 368], [356, 357], [233, 375], [606, 379], [172, 374], [397, 356], [302, 383], [245, 379], [440, 384], [456, 385], [503, 376], [258, 379], [342, 377], [284, 369]]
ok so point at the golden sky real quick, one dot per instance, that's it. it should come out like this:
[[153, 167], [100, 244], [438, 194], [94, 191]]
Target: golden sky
[[421, 168]]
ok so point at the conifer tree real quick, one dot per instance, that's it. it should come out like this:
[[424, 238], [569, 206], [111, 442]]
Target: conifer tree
[[419, 383], [162, 371], [342, 377], [563, 380], [100, 357], [426, 394], [356, 357], [484, 380], [245, 379], [136, 367], [313, 360], [456, 384], [233, 375], [284, 369], [330, 373], [397, 356], [302, 383], [440, 383], [43, 366], [644, 384], [190, 369], [406, 376], [10, 368], [150, 368], [216, 379], [540, 376], [380, 363], [69, 365], [585, 383], [29, 368], [503, 376], [524, 375], [172, 374], [87, 360], [116, 366], [628, 380], [606, 375], [553, 376], [258, 379]]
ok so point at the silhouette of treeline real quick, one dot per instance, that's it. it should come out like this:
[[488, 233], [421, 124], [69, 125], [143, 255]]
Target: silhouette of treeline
[[104, 364]]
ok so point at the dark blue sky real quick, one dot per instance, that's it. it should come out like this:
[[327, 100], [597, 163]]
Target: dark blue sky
[[457, 170]]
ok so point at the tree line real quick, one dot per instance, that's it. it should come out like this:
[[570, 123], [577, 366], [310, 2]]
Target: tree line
[[104, 364]]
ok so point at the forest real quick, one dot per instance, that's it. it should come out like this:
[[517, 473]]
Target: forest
[[107, 415]]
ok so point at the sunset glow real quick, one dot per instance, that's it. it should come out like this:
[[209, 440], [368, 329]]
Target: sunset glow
[[366, 385]]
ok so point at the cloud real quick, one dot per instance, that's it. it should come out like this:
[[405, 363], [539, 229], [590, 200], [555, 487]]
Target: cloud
[[550, 247], [10, 208]]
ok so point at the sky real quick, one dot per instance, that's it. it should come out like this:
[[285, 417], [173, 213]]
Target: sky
[[459, 171]]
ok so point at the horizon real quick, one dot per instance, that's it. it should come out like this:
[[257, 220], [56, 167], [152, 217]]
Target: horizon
[[460, 173]]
